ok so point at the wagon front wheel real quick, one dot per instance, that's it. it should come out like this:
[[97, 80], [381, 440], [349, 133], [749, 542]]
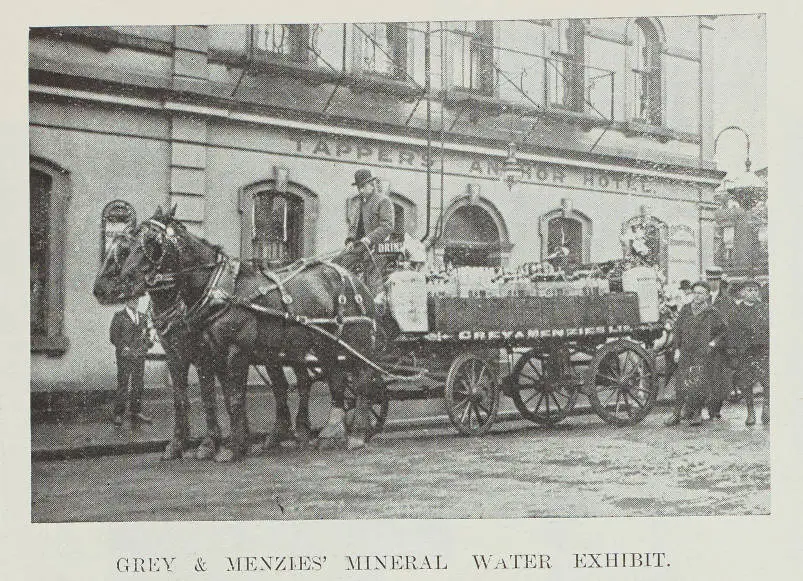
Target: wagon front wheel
[[621, 384], [472, 393], [377, 409]]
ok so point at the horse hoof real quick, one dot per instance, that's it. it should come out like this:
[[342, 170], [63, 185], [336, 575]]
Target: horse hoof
[[355, 443], [225, 455], [206, 450], [276, 437], [173, 450]]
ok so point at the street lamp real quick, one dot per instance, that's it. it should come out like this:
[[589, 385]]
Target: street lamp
[[747, 161], [740, 246]]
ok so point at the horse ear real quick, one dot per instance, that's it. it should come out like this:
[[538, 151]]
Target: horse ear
[[173, 210]]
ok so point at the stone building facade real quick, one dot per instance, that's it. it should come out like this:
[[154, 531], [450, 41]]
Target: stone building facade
[[255, 132]]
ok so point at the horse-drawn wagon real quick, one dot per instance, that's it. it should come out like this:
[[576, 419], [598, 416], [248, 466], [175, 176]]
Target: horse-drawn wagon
[[539, 337], [542, 351]]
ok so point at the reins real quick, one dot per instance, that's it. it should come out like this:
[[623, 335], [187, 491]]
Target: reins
[[201, 313]]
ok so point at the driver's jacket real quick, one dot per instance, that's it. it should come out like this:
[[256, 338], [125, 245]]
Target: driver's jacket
[[377, 218]]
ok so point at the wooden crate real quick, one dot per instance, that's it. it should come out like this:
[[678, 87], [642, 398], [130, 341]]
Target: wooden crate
[[455, 314]]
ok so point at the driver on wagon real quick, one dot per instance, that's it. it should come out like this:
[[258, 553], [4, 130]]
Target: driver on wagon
[[370, 221]]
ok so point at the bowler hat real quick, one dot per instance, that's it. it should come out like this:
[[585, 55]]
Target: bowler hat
[[685, 284], [362, 177], [713, 273]]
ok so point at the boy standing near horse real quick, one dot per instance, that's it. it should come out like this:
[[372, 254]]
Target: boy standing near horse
[[129, 333]]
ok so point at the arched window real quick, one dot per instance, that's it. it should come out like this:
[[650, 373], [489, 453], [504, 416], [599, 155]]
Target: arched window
[[49, 197], [647, 75], [278, 223], [569, 64], [565, 240], [474, 234], [645, 240], [565, 236]]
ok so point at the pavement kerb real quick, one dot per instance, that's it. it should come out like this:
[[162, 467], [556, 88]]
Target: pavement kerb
[[158, 444]]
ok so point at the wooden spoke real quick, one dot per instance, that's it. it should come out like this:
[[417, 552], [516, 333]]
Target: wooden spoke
[[633, 390]]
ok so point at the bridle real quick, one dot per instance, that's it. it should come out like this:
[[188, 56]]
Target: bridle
[[156, 279]]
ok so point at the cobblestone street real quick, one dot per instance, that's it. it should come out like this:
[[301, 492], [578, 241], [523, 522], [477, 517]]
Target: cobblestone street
[[581, 468]]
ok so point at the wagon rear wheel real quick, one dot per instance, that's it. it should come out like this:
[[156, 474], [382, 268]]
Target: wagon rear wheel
[[621, 384], [377, 409], [472, 393], [543, 386]]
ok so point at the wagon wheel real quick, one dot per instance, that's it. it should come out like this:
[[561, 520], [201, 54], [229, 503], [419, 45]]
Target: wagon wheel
[[543, 386], [620, 382], [377, 410], [471, 393]]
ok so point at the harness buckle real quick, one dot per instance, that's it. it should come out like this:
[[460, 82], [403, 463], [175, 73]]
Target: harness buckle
[[302, 319]]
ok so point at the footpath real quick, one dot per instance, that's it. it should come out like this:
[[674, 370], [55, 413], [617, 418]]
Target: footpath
[[86, 431]]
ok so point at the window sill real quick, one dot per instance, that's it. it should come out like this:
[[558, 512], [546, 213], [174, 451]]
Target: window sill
[[584, 120], [462, 95], [54, 346], [639, 127], [372, 81], [267, 63]]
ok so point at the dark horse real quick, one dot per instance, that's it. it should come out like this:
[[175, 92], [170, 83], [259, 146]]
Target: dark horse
[[262, 317], [184, 346]]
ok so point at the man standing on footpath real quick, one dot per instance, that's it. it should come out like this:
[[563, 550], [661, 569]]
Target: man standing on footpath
[[750, 339], [698, 332], [130, 336], [720, 371], [370, 221]]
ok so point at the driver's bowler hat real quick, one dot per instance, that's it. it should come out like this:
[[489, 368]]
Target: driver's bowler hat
[[362, 177]]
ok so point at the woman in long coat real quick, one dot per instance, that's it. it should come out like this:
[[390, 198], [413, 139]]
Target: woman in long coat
[[698, 331]]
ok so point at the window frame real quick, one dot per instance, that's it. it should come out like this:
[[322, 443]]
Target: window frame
[[439, 244], [306, 227], [298, 44], [647, 73], [397, 44], [478, 45], [649, 221], [586, 232], [572, 72], [53, 342]]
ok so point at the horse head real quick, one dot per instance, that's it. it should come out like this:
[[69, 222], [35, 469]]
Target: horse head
[[110, 286], [165, 255]]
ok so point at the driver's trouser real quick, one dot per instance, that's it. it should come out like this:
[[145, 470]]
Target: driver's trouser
[[371, 267]]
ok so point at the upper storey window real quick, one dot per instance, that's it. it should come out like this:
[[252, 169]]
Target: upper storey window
[[647, 77]]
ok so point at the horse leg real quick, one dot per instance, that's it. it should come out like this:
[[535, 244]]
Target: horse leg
[[206, 379], [333, 433], [178, 368], [237, 366], [282, 426], [359, 429], [303, 432]]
